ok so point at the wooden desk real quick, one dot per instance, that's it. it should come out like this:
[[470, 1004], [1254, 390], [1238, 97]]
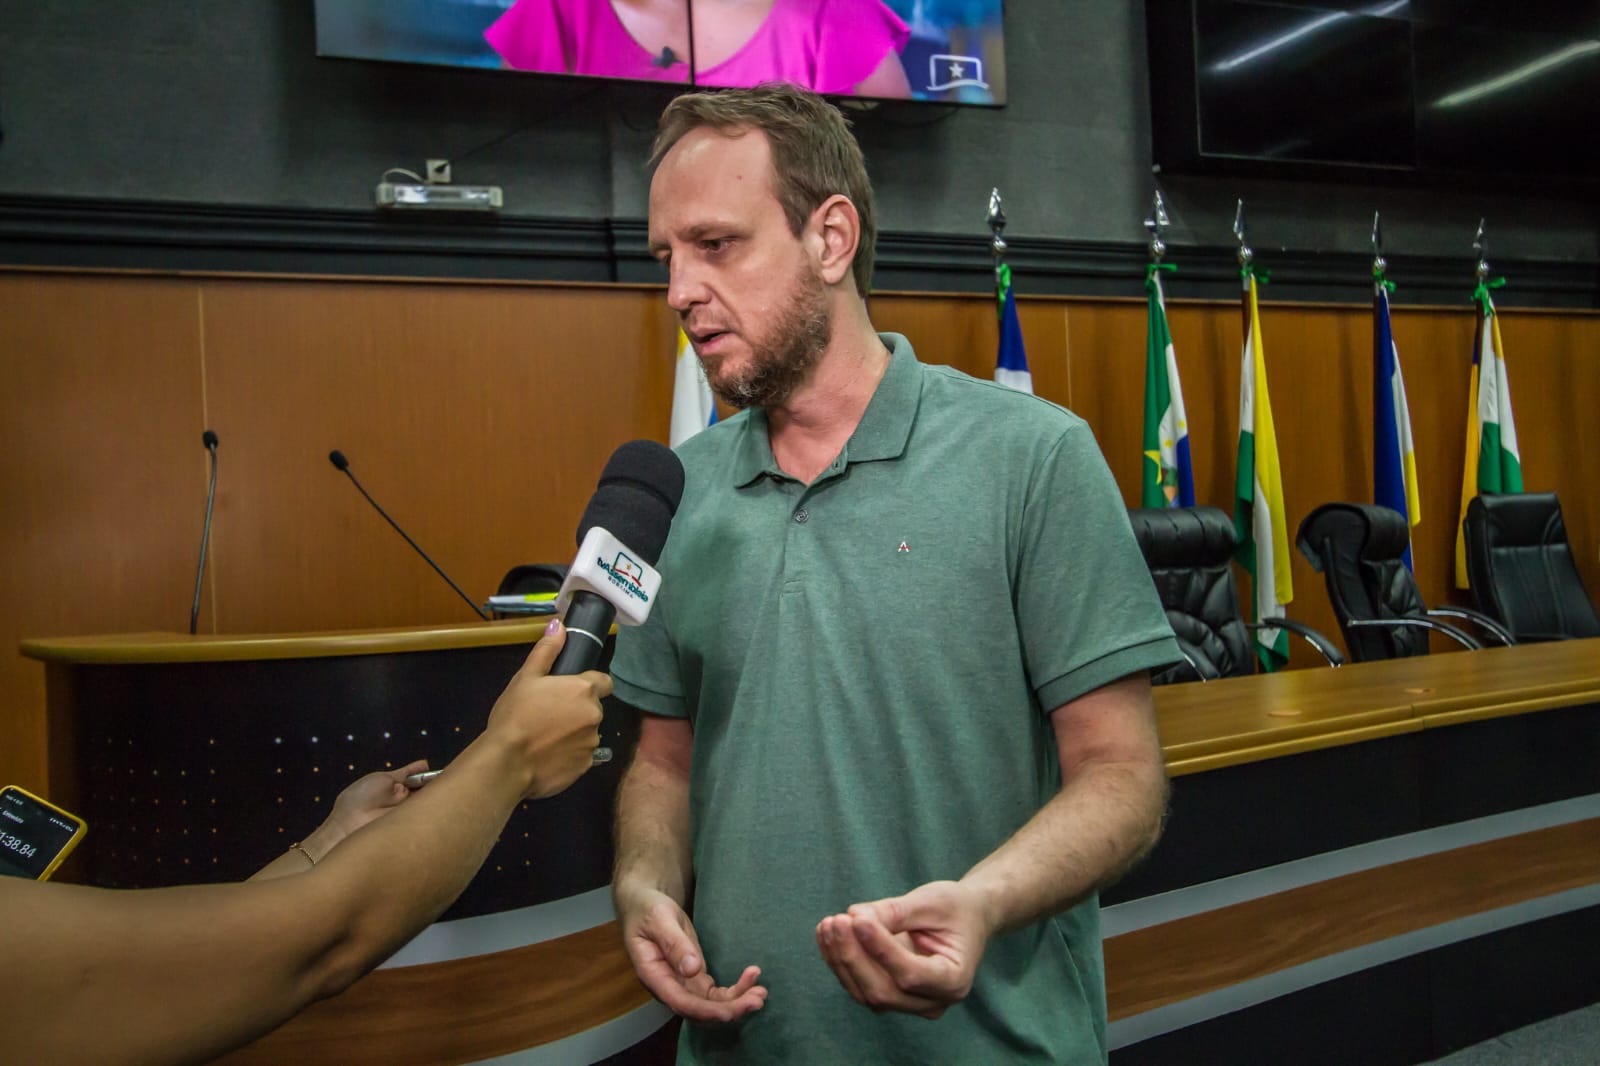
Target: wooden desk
[[1269, 772], [1379, 863]]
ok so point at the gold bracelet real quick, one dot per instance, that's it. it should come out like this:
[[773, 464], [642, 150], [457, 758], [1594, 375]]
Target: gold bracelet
[[301, 848]]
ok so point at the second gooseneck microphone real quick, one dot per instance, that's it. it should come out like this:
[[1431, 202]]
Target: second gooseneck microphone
[[341, 464], [209, 439], [625, 524]]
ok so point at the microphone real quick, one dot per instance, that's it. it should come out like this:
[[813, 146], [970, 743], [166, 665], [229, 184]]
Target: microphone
[[620, 538], [341, 464], [209, 439], [665, 59]]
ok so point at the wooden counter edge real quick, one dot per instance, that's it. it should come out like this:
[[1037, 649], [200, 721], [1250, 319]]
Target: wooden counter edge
[[182, 648]]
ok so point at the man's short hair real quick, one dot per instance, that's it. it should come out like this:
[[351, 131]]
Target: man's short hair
[[814, 154]]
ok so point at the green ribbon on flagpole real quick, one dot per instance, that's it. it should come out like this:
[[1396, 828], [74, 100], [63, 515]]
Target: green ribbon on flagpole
[[1150, 272], [1380, 278], [1250, 270], [1481, 294], [1002, 282]]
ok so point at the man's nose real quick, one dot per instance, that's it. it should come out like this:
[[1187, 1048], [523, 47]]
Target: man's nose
[[685, 286]]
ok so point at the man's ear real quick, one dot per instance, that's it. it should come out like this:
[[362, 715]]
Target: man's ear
[[838, 226]]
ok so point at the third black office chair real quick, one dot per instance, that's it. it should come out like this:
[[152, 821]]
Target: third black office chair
[[1357, 547], [1188, 550], [1522, 569]]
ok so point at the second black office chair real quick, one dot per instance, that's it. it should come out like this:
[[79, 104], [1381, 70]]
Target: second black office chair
[[1188, 550], [1358, 549]]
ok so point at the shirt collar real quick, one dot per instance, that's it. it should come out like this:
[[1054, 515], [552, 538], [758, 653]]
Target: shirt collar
[[882, 433]]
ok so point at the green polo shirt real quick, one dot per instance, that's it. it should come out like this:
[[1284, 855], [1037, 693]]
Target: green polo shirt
[[869, 663]]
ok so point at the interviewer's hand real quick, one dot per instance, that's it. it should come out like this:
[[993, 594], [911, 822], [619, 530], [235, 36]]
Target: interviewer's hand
[[665, 951], [551, 723], [370, 797], [916, 953]]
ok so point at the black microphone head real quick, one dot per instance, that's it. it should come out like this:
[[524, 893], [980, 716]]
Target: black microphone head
[[209, 439], [638, 495], [336, 457]]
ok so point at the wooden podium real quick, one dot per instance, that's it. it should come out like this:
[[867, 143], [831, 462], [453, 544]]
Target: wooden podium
[[199, 759]]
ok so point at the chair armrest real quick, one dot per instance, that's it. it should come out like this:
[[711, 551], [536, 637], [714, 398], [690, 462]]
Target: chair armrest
[[1482, 621], [1329, 651], [1420, 623], [1201, 674]]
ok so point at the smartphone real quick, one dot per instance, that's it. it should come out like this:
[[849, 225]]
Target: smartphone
[[35, 835]]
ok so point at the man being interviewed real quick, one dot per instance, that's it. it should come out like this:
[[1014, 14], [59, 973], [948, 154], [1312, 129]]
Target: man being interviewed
[[898, 727]]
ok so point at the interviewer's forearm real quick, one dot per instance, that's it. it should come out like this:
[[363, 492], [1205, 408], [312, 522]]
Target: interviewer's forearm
[[396, 875]]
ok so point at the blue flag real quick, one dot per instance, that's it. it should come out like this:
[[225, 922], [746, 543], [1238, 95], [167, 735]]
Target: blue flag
[[1011, 365], [1394, 458]]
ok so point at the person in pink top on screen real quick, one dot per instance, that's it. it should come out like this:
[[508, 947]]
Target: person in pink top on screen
[[839, 47]]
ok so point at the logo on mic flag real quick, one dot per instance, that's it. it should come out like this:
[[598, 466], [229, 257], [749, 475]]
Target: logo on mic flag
[[606, 567]]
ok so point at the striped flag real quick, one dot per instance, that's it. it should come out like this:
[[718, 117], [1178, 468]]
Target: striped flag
[[1011, 364], [1493, 463], [1168, 475], [1258, 520], [693, 408], [1394, 459]]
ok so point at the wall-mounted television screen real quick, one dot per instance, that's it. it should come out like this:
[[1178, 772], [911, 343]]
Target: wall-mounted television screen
[[1456, 90], [944, 51]]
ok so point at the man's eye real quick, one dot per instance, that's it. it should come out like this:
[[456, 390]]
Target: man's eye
[[714, 244]]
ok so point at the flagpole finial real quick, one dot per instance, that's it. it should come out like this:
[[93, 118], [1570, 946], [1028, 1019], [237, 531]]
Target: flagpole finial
[[997, 224], [1245, 254], [1379, 264], [1480, 245], [1155, 223]]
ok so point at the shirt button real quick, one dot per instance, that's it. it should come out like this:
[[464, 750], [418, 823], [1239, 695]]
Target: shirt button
[[802, 515]]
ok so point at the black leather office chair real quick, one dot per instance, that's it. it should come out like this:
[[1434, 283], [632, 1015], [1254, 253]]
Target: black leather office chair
[[1522, 570], [1188, 550], [1357, 547]]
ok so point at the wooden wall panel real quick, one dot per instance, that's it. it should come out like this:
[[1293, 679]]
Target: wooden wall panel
[[479, 416], [102, 476]]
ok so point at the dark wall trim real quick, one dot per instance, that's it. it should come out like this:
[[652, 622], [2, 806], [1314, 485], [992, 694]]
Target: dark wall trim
[[92, 234]]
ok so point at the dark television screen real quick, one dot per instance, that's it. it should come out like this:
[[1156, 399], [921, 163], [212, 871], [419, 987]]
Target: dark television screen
[[946, 51], [1412, 89]]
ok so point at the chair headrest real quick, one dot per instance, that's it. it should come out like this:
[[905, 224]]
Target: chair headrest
[[1520, 520], [1378, 534], [1183, 536]]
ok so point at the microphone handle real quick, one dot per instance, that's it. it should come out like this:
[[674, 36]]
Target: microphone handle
[[205, 538], [479, 611], [588, 623]]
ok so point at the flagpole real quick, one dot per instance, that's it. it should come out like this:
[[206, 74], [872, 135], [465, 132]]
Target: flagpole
[[1157, 222], [997, 225], [1011, 361]]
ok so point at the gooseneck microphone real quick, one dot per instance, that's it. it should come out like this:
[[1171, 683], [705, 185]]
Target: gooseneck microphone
[[620, 539], [209, 439], [341, 464]]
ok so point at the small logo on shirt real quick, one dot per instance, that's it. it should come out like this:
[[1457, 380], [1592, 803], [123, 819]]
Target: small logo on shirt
[[904, 549]]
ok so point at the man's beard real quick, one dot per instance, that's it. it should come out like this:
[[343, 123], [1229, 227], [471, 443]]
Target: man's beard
[[781, 361]]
